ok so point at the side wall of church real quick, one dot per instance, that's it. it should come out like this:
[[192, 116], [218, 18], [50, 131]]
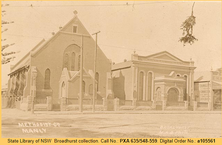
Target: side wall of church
[[122, 84]]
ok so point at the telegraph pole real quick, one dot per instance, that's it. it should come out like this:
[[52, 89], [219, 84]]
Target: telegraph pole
[[81, 77], [94, 77]]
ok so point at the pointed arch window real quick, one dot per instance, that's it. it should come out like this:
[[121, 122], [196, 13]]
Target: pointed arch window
[[150, 80], [141, 82], [47, 79], [73, 57]]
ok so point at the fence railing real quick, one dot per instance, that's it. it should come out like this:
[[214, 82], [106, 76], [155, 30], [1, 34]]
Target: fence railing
[[125, 102], [86, 101]]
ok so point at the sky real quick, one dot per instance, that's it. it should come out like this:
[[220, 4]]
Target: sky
[[125, 27]]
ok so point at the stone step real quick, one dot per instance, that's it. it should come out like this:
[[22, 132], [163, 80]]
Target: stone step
[[202, 109], [40, 107], [175, 108]]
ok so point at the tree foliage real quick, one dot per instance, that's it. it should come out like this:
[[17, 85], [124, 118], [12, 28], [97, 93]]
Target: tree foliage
[[187, 27], [6, 56]]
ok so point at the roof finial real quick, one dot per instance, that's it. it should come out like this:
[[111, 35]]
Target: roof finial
[[75, 13]]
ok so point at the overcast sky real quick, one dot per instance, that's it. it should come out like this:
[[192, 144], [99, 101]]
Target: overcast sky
[[146, 27]]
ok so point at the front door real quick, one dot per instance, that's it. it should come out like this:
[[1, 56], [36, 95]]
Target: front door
[[172, 98]]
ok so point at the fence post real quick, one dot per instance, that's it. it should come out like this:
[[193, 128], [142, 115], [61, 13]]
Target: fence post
[[63, 104], [29, 103], [194, 105], [49, 103], [163, 105], [209, 105], [116, 104], [104, 104], [134, 102], [186, 104]]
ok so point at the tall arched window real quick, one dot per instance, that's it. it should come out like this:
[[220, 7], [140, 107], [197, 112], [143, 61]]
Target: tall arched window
[[73, 57], [150, 80], [97, 81], [47, 79], [66, 61], [70, 57], [141, 81]]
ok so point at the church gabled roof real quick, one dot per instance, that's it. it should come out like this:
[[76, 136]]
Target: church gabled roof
[[162, 56], [43, 43]]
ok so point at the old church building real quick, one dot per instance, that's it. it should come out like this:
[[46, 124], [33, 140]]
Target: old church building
[[51, 70], [160, 79]]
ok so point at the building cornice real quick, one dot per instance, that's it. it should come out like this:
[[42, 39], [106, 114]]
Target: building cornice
[[161, 64]]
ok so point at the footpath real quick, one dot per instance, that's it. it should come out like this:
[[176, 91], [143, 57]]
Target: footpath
[[21, 112]]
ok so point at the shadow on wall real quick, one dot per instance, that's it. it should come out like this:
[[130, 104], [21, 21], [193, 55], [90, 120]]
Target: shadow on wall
[[119, 86]]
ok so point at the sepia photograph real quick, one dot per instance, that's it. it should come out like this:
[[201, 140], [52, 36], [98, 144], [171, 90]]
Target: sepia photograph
[[110, 69]]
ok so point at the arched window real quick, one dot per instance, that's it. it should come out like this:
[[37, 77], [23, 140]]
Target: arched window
[[79, 62], [90, 89], [150, 80], [141, 81], [70, 57], [47, 79], [73, 61], [97, 81], [83, 86], [66, 61]]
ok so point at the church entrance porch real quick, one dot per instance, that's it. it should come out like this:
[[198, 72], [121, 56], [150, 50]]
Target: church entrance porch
[[170, 91], [172, 97]]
